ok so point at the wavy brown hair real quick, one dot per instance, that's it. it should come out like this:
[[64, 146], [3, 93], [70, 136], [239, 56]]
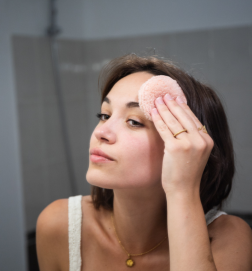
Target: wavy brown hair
[[216, 182]]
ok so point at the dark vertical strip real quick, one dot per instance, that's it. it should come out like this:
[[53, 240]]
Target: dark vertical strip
[[62, 113], [52, 32]]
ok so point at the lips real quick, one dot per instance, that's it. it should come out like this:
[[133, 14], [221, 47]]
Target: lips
[[100, 153]]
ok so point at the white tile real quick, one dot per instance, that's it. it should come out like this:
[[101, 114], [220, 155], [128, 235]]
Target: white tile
[[55, 150], [232, 57], [25, 52], [31, 128]]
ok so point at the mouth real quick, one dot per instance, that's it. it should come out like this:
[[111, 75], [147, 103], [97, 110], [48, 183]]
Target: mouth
[[97, 158], [97, 155]]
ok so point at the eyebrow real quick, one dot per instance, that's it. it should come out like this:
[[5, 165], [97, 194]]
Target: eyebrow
[[128, 105]]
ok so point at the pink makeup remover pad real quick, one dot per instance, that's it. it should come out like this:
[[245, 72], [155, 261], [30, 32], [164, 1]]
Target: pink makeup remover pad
[[155, 87]]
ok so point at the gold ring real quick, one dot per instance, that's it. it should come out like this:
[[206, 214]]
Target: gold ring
[[203, 128], [180, 132]]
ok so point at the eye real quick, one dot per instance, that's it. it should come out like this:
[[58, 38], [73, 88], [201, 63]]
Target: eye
[[137, 124], [99, 116]]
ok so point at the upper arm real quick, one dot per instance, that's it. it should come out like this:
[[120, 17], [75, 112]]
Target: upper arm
[[232, 244], [52, 236]]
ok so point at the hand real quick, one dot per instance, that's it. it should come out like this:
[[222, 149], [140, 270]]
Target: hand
[[185, 156]]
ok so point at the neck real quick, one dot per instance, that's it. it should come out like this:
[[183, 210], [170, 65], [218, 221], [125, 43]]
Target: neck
[[140, 218]]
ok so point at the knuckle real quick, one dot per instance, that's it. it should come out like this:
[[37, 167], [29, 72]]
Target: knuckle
[[187, 145], [211, 143], [162, 127], [172, 122], [201, 145], [172, 148]]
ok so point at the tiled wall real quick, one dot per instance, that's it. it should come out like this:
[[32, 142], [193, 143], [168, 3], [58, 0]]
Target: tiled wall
[[221, 58]]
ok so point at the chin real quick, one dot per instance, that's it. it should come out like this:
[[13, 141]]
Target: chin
[[97, 180], [103, 183], [107, 180], [100, 184], [110, 184]]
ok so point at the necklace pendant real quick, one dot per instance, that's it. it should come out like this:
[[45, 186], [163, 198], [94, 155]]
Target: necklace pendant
[[130, 262]]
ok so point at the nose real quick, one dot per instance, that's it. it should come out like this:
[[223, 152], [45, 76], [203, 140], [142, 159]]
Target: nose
[[105, 132]]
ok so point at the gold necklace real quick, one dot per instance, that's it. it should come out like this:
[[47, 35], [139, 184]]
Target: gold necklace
[[129, 261]]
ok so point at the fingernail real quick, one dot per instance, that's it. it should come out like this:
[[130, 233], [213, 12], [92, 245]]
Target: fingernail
[[180, 100], [168, 97], [160, 100], [154, 110]]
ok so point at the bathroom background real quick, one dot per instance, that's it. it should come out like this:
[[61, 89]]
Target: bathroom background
[[50, 96]]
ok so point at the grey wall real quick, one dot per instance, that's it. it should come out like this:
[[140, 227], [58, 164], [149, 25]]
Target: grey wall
[[112, 18], [44, 167], [88, 20], [221, 58]]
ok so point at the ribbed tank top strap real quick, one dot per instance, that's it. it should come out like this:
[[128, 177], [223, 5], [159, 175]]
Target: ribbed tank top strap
[[212, 215], [74, 232]]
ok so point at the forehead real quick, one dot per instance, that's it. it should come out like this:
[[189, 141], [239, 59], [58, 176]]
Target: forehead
[[127, 88]]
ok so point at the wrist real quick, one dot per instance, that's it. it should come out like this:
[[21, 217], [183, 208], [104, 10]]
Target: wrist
[[182, 194]]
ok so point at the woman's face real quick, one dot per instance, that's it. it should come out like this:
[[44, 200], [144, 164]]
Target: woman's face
[[137, 149]]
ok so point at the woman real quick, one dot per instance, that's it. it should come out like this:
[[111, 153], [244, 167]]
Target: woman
[[156, 201]]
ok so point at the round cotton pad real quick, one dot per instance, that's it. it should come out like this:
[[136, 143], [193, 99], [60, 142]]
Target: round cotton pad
[[155, 87]]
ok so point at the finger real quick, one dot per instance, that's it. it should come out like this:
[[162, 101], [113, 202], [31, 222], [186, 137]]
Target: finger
[[160, 125], [168, 118], [180, 114], [188, 110], [198, 124]]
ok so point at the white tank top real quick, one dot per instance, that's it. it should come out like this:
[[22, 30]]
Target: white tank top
[[74, 229]]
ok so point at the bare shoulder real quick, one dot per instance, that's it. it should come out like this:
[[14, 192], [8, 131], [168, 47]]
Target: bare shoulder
[[231, 243], [52, 236], [50, 216]]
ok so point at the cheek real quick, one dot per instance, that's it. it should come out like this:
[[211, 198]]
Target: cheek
[[146, 148], [139, 163], [135, 149], [143, 159]]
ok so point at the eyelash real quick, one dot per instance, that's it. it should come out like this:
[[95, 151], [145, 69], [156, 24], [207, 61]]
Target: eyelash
[[99, 116]]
